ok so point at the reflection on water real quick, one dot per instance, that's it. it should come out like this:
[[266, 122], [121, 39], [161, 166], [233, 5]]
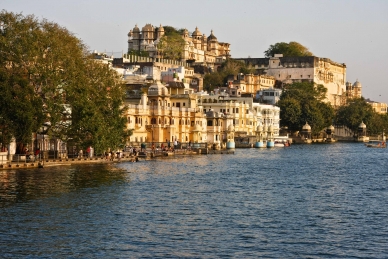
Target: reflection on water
[[22, 185], [316, 201]]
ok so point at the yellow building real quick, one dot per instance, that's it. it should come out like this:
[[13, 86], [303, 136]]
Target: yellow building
[[160, 117], [377, 106], [198, 48], [355, 90]]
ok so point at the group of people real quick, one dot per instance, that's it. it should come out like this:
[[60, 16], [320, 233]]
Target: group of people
[[111, 155]]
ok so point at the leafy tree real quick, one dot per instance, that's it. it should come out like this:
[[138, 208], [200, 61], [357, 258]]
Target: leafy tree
[[356, 111], [292, 49], [47, 76], [169, 30], [171, 44], [303, 102]]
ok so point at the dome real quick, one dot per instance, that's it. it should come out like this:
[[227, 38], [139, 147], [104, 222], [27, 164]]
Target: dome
[[331, 127], [129, 33], [362, 125], [357, 84], [196, 33], [230, 127], [211, 37], [161, 29], [270, 128], [259, 128], [136, 29], [306, 127], [148, 27], [157, 89], [197, 128]]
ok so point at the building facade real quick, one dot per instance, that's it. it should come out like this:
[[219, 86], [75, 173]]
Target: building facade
[[198, 48], [287, 70]]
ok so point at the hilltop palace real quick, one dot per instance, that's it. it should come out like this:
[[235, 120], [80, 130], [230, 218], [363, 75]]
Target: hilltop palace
[[175, 106], [167, 102]]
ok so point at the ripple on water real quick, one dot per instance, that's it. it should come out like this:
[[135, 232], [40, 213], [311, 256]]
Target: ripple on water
[[307, 201]]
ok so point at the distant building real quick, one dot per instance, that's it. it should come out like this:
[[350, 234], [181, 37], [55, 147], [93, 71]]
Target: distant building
[[287, 70], [251, 83], [198, 49], [377, 106], [353, 91], [269, 96]]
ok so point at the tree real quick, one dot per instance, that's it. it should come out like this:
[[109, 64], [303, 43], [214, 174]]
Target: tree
[[356, 111], [303, 102], [47, 76], [292, 49], [171, 45]]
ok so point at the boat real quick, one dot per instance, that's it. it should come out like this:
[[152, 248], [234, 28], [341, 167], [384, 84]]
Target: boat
[[380, 144], [282, 143], [279, 144]]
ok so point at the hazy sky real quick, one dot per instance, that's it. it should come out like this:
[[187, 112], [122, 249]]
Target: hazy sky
[[353, 32]]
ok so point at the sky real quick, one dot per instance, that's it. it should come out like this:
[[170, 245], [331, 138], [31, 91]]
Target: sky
[[354, 32]]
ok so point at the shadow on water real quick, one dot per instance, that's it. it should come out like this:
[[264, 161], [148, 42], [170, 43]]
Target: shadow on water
[[23, 185]]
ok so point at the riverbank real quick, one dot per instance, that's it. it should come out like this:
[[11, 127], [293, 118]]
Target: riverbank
[[126, 157]]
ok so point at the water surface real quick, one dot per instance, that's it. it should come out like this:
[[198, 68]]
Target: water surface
[[306, 201]]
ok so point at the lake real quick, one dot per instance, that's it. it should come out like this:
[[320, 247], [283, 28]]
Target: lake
[[305, 201]]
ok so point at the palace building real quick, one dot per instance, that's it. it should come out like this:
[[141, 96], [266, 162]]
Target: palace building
[[287, 70], [198, 48]]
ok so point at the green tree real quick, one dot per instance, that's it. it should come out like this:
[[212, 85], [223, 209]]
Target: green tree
[[356, 111], [291, 49], [171, 44], [47, 76], [303, 102]]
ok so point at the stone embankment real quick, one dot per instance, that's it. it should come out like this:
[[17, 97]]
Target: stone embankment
[[126, 157]]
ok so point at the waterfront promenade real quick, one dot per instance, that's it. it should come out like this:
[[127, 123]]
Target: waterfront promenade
[[125, 157]]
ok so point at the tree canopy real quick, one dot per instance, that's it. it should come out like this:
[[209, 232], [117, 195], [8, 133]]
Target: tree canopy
[[171, 44], [356, 111], [291, 49], [47, 76], [303, 102]]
